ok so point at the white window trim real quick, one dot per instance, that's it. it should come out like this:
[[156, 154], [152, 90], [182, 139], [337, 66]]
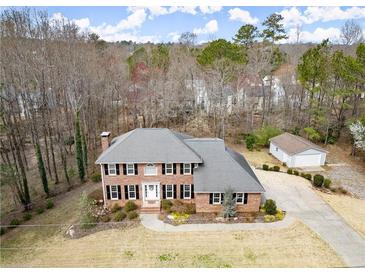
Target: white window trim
[[109, 170], [243, 198], [189, 197], [172, 169], [115, 191], [129, 174], [129, 192], [187, 173], [172, 192], [150, 174], [220, 197]]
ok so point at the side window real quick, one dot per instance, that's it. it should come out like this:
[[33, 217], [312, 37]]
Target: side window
[[112, 169]]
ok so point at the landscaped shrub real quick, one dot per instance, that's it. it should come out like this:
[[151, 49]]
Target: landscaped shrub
[[270, 207], [327, 183], [2, 231], [342, 190], [27, 216], [229, 204], [302, 174], [105, 218], [318, 180], [180, 218], [96, 195], [250, 141], [183, 208], [14, 223], [279, 215], [276, 168], [296, 172], [96, 177], [119, 216], [115, 208], [190, 208], [40, 210], [49, 204], [265, 167], [269, 218], [132, 215], [130, 206], [289, 171], [166, 205], [308, 176]]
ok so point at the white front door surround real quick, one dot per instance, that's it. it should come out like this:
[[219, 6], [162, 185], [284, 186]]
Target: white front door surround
[[151, 193]]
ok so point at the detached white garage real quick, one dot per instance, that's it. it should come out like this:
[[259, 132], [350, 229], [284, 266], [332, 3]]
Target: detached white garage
[[296, 151]]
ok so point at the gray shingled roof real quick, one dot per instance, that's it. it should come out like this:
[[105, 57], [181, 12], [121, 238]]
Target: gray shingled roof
[[222, 167], [293, 144], [149, 145]]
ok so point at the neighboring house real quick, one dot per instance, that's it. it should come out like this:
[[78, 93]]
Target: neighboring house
[[200, 93], [147, 165], [296, 151]]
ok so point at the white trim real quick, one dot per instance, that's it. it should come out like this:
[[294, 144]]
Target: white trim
[[126, 167], [157, 184], [111, 192], [242, 197], [187, 173], [115, 169], [172, 169], [189, 197], [220, 196], [103, 184], [134, 191], [172, 192], [150, 174]]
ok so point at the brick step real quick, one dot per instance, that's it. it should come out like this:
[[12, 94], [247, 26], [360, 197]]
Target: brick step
[[150, 210]]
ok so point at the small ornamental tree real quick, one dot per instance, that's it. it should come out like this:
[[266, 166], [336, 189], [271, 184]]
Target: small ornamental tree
[[357, 130], [250, 141], [87, 219], [270, 207], [229, 204]]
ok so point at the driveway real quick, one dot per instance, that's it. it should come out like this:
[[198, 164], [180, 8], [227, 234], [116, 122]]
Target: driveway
[[294, 194]]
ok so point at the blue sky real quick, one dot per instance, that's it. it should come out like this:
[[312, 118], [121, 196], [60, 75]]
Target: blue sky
[[162, 24]]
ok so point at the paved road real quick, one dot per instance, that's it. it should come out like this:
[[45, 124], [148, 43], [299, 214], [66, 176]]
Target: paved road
[[294, 195]]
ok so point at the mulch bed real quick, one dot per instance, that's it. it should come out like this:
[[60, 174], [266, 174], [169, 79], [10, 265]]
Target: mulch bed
[[213, 218], [78, 232]]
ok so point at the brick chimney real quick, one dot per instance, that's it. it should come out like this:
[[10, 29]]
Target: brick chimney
[[105, 140]]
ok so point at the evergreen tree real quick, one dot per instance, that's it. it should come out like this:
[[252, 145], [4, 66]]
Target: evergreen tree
[[246, 35], [41, 168], [229, 204], [78, 143]]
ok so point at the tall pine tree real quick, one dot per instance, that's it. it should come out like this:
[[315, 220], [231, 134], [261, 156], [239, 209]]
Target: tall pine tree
[[41, 168], [78, 143]]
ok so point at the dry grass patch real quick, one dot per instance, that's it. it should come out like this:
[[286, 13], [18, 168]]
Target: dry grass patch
[[296, 246], [351, 209]]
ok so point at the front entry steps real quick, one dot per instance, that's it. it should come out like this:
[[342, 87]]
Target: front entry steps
[[150, 210]]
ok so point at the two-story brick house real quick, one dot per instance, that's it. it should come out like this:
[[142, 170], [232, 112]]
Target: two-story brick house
[[147, 165]]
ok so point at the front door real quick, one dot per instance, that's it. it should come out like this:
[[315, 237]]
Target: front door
[[151, 191]]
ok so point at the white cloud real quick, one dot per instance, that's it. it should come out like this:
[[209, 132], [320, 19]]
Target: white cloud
[[210, 27], [210, 9], [319, 34], [82, 23], [135, 20], [184, 9], [174, 36], [294, 16], [243, 16]]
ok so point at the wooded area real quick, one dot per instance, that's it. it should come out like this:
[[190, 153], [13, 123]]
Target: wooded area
[[61, 88]]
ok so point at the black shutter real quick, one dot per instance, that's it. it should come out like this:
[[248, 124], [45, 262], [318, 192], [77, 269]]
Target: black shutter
[[117, 168], [245, 198], [222, 198], [192, 169], [181, 191], [126, 192], [137, 191], [174, 165], [163, 169], [106, 170], [108, 192], [124, 169], [175, 191], [234, 196], [163, 191], [136, 169], [181, 168], [211, 198], [119, 193], [192, 191]]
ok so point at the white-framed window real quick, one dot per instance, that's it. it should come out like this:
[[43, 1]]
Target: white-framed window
[[150, 170], [112, 169], [169, 169], [216, 198], [130, 169], [169, 191], [239, 198], [114, 193], [187, 169], [131, 192], [187, 191]]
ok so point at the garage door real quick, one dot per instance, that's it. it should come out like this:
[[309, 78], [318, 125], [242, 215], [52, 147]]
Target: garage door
[[307, 160]]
